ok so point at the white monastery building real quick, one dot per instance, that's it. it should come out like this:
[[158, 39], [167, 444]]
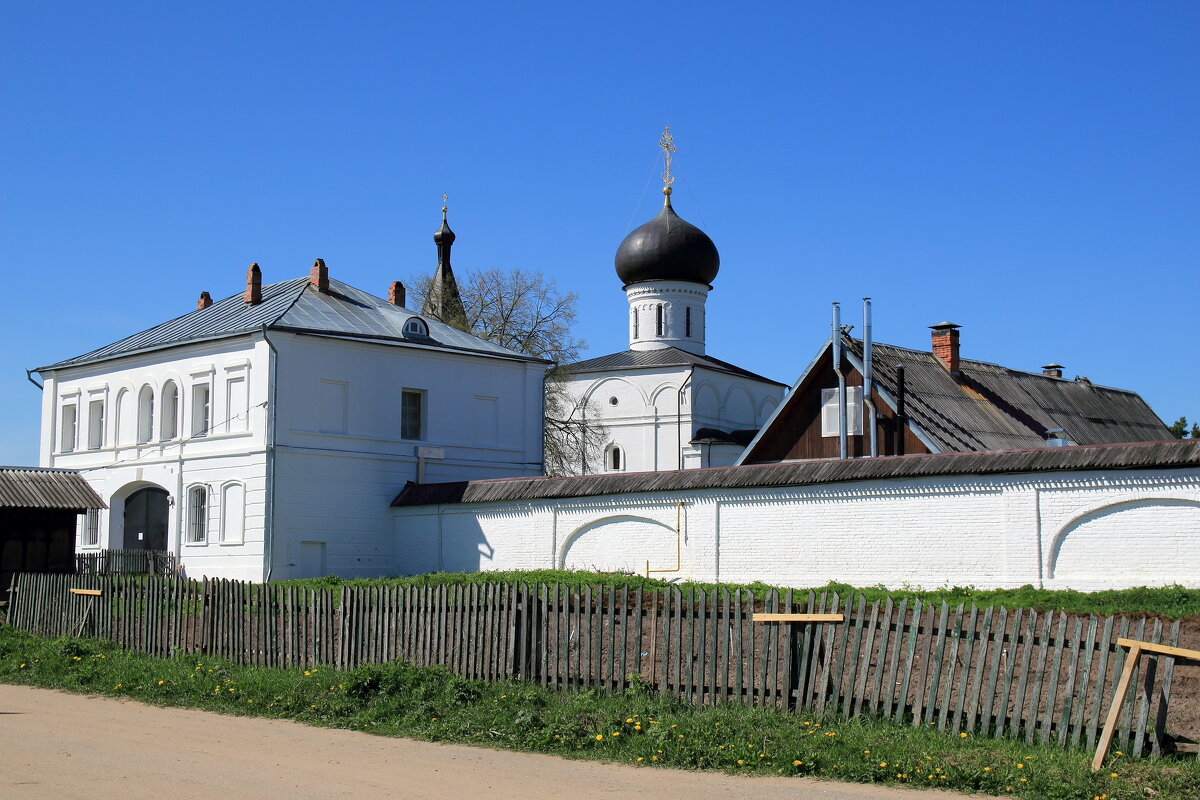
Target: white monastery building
[[263, 436]]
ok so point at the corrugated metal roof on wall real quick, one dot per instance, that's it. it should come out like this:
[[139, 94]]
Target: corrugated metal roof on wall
[[661, 357], [1185, 453], [33, 487]]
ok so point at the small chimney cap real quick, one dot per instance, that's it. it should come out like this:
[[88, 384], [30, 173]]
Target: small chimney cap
[[945, 326], [1052, 365]]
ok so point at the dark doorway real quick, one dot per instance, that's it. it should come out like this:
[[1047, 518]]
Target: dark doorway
[[146, 519]]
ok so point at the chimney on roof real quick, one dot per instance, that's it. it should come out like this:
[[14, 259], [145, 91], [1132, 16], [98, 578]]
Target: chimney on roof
[[319, 277], [204, 302], [945, 344], [396, 293], [1053, 370], [253, 285]]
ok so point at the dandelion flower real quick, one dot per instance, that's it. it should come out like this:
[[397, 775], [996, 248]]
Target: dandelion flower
[[1020, 765], [797, 763], [740, 762], [1112, 774], [160, 683], [628, 720], [883, 763], [639, 758], [599, 736], [963, 735]]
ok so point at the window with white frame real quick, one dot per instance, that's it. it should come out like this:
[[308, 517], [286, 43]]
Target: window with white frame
[[830, 411], [415, 326], [95, 430], [145, 418], [91, 528], [615, 460], [197, 521], [67, 432], [168, 425], [237, 403], [412, 416], [201, 409], [233, 513]]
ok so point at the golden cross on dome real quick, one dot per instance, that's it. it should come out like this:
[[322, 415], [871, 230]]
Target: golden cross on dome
[[667, 143], [444, 198]]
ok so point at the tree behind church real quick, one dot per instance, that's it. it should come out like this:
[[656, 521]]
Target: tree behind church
[[526, 312]]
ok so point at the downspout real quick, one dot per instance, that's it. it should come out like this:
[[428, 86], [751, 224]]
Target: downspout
[[868, 374], [269, 511], [679, 414], [29, 377], [837, 368]]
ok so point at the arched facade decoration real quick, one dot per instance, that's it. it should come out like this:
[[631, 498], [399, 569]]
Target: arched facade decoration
[[168, 425], [1149, 541], [622, 542]]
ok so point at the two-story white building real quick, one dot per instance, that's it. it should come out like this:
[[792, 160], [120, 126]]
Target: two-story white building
[[263, 436]]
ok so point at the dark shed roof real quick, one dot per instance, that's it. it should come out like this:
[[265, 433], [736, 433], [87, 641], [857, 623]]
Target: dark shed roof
[[990, 407], [33, 487], [296, 306], [1175, 453], [662, 357]]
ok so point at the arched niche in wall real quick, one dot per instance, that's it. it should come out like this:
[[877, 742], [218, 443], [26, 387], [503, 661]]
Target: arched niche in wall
[[737, 412], [616, 397], [622, 542], [708, 402], [765, 409], [1151, 541]]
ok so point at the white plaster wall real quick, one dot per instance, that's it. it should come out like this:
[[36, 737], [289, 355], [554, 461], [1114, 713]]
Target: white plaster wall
[[1083, 530]]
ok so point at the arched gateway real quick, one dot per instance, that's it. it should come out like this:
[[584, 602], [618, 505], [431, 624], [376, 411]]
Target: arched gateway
[[146, 519]]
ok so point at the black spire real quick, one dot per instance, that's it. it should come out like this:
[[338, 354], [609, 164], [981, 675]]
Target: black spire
[[444, 301]]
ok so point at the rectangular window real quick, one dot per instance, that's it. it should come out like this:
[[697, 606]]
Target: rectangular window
[[237, 405], [658, 319], [411, 417], [91, 528], [201, 411], [687, 321], [95, 425], [233, 513], [66, 434], [197, 531], [333, 407], [829, 411], [635, 323]]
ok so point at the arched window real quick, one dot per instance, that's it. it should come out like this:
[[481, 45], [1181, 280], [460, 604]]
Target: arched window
[[197, 525], [169, 423], [658, 319], [145, 418], [415, 326], [614, 459], [124, 418]]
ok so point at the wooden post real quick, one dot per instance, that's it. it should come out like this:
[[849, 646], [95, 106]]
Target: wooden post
[[1136, 648]]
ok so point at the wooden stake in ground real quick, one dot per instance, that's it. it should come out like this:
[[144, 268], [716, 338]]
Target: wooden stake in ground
[[1136, 648]]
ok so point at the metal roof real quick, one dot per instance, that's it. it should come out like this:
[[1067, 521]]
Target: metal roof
[[297, 306], [34, 487], [662, 357], [990, 407], [1171, 454]]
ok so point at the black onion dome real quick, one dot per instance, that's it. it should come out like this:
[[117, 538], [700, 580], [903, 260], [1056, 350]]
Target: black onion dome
[[667, 248], [444, 235]]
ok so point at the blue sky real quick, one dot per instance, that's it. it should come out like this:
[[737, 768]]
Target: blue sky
[[1027, 170]]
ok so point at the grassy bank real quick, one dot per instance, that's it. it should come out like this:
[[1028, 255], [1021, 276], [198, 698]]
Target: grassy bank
[[1168, 601], [636, 728]]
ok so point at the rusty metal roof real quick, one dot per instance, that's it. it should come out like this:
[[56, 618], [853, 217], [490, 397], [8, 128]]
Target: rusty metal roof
[[1171, 454], [34, 487]]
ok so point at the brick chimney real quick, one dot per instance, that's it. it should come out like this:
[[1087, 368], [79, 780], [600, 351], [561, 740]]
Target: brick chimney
[[1053, 370], [396, 293], [945, 345], [204, 302], [319, 277], [253, 285]]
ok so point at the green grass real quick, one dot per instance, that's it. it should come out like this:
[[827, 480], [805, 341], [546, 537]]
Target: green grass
[[637, 727], [1170, 601]]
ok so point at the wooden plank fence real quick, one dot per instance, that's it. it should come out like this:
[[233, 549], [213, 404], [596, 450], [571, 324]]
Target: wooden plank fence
[[1045, 677], [126, 562]]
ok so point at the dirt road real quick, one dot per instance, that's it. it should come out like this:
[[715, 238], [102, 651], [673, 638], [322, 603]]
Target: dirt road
[[63, 746]]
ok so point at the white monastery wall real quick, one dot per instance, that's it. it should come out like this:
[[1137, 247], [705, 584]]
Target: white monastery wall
[[1080, 530], [341, 455]]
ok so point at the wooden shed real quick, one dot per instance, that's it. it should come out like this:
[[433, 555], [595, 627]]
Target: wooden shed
[[39, 512]]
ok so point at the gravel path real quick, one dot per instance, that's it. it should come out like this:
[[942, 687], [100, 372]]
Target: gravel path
[[62, 746]]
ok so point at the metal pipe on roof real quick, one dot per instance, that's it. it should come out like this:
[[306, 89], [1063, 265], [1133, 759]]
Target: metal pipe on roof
[[868, 404], [837, 368]]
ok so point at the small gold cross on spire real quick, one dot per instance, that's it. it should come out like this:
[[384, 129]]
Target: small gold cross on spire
[[444, 199], [667, 143]]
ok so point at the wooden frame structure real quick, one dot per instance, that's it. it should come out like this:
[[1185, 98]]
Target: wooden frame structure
[[1136, 648]]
